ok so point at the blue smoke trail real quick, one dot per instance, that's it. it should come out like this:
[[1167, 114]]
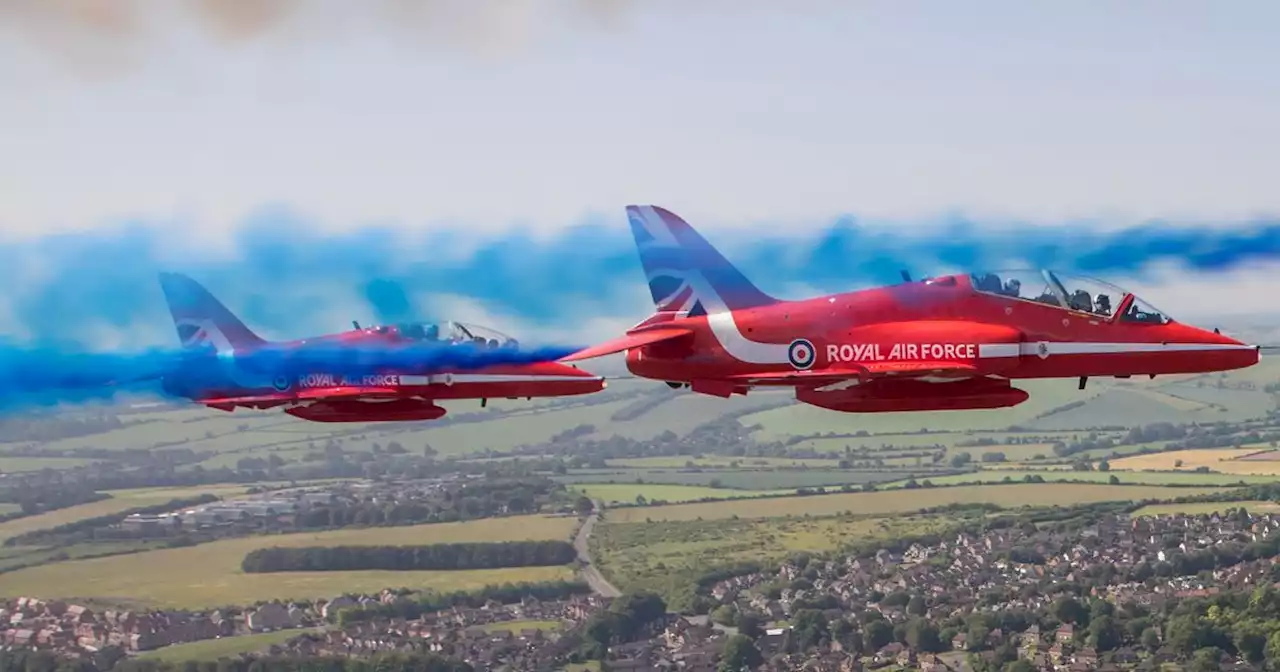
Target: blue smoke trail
[[70, 288], [44, 376]]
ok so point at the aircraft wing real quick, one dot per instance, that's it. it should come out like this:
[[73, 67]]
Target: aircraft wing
[[633, 340], [349, 392], [867, 371]]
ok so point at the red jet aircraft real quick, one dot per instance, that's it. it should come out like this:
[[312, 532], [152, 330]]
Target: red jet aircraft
[[224, 383], [945, 343]]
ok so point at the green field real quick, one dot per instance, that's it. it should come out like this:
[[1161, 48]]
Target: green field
[[678, 462], [627, 493], [19, 464], [517, 626], [903, 501], [664, 556], [209, 575], [225, 647], [1196, 508]]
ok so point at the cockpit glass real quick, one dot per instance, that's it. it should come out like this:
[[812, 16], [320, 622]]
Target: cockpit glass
[[452, 332], [1142, 312], [1072, 292]]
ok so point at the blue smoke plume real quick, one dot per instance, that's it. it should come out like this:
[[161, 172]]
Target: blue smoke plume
[[43, 376]]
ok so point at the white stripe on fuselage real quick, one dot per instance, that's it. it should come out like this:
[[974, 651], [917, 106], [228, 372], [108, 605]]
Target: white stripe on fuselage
[[726, 332], [1089, 348], [440, 378]]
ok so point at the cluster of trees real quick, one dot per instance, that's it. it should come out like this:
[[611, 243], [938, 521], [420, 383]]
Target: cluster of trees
[[426, 603], [409, 558], [32, 501], [476, 499], [629, 618], [88, 529]]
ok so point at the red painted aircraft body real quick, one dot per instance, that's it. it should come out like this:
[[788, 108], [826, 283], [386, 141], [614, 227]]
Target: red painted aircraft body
[[380, 396], [947, 343]]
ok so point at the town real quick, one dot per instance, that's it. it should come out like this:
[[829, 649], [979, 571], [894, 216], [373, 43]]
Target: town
[[1042, 597]]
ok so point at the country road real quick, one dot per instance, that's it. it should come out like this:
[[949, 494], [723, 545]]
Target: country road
[[590, 574]]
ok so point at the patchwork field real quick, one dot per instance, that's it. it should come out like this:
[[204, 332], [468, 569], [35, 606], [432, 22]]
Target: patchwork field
[[902, 501], [209, 575], [1182, 459]]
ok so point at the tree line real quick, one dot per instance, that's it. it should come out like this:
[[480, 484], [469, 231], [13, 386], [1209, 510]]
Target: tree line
[[476, 555], [426, 603]]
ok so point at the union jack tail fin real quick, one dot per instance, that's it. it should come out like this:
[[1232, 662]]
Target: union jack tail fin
[[685, 273], [202, 320]]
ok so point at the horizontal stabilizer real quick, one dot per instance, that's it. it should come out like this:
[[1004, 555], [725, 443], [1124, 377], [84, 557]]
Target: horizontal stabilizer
[[630, 341]]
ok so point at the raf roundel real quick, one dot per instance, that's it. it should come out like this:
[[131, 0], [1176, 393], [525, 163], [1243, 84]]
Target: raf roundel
[[801, 353], [281, 383]]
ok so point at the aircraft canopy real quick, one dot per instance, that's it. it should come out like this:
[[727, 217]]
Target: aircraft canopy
[[1073, 292], [450, 332]]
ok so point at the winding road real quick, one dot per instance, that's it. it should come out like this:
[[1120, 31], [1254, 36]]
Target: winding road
[[590, 574]]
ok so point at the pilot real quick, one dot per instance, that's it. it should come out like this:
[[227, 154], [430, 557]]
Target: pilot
[[413, 331], [1103, 304], [1013, 287], [433, 333], [1080, 300]]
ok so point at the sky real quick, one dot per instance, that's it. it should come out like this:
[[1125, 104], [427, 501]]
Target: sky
[[484, 115]]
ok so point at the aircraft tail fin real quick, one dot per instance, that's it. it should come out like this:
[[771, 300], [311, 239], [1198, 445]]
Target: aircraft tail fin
[[685, 273], [202, 320]]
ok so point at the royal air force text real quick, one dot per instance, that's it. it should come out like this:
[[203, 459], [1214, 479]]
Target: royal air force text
[[873, 352], [330, 380]]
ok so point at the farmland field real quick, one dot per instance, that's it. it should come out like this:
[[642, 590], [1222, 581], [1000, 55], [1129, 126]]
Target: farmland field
[[120, 501], [1126, 477], [1195, 508], [225, 647], [677, 462], [662, 556], [613, 493], [19, 464], [746, 480], [209, 574], [1190, 459], [902, 501]]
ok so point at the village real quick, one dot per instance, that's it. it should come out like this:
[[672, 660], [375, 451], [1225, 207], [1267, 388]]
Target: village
[[1004, 570]]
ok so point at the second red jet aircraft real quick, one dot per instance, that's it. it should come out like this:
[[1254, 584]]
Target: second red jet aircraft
[[946, 343]]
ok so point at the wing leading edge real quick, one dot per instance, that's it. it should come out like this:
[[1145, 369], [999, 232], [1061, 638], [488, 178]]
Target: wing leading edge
[[630, 341]]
